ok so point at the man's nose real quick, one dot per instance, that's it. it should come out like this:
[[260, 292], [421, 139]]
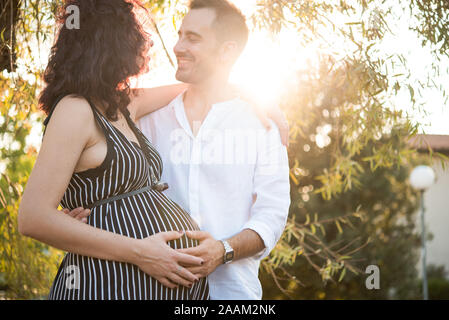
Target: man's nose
[[179, 47]]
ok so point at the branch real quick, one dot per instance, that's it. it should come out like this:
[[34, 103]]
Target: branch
[[162, 41]]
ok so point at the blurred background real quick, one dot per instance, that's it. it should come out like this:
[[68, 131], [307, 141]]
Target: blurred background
[[363, 85]]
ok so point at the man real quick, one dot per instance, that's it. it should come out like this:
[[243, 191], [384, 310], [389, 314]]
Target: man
[[222, 165]]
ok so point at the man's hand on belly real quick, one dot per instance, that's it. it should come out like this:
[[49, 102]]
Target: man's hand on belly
[[209, 249]]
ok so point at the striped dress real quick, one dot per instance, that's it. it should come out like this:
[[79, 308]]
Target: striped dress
[[124, 169]]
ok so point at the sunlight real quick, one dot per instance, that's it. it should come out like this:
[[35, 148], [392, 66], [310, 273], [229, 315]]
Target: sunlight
[[267, 64]]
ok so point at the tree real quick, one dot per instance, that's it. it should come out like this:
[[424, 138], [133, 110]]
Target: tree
[[8, 20], [378, 210]]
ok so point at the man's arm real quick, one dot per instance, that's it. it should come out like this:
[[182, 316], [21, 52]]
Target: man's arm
[[246, 243], [272, 191], [268, 213]]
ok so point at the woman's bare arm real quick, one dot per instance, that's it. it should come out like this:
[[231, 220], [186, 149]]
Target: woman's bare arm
[[147, 100]]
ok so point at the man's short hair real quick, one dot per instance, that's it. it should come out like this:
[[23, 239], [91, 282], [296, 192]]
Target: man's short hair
[[229, 24]]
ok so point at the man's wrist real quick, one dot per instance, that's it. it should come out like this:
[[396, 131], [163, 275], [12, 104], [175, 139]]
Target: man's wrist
[[228, 255]]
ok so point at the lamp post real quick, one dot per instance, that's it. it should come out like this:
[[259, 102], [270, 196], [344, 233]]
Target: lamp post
[[421, 178]]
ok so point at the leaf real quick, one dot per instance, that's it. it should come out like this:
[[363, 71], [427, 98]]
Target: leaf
[[292, 176], [342, 274], [412, 92], [340, 230], [344, 257]]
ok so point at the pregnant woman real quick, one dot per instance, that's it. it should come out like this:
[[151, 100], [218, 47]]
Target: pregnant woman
[[93, 156]]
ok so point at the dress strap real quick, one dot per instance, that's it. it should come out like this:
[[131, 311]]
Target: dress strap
[[157, 184], [94, 109], [98, 118], [47, 119]]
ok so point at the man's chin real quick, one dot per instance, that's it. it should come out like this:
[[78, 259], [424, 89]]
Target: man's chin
[[181, 76]]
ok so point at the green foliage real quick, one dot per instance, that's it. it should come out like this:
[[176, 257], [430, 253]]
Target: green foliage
[[27, 267], [438, 282], [433, 22], [351, 203]]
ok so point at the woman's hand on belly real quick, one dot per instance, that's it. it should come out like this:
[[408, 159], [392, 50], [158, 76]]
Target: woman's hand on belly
[[155, 257]]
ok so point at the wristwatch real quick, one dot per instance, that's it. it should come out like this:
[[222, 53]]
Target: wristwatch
[[229, 252]]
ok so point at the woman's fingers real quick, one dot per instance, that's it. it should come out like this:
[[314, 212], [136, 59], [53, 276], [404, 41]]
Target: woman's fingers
[[186, 274], [170, 235], [180, 280], [167, 283]]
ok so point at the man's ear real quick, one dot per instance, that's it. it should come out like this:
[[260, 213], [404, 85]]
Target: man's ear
[[228, 52]]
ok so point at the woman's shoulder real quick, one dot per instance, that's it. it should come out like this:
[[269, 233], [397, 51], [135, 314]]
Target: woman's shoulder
[[74, 104], [72, 114], [72, 109]]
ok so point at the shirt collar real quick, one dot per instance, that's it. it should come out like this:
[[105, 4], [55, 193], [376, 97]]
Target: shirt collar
[[177, 106]]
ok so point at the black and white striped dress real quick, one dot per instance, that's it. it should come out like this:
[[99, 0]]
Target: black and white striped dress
[[123, 170]]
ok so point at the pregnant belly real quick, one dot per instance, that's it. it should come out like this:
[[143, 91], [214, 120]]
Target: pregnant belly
[[144, 215]]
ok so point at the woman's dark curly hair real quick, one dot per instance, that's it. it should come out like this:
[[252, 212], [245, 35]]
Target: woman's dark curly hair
[[97, 60]]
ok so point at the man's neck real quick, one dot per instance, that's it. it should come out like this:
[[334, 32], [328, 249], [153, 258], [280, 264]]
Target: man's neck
[[208, 93], [199, 98]]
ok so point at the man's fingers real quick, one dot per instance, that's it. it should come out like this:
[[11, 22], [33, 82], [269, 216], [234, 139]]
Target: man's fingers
[[196, 271], [278, 117], [284, 132], [79, 213], [73, 213], [186, 259], [263, 117], [193, 251], [171, 235], [198, 235], [167, 283], [83, 214]]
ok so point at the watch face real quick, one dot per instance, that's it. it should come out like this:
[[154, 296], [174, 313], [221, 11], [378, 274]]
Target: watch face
[[229, 256]]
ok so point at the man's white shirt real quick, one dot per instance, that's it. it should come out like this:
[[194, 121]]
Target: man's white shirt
[[232, 175]]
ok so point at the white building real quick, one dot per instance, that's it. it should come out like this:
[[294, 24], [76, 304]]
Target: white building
[[436, 201]]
